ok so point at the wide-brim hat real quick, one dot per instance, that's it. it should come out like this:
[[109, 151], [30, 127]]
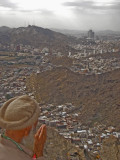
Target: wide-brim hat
[[18, 113]]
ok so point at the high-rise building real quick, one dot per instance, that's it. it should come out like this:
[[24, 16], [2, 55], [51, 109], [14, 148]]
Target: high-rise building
[[91, 34]]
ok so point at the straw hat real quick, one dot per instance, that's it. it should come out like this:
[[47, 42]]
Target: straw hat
[[18, 113]]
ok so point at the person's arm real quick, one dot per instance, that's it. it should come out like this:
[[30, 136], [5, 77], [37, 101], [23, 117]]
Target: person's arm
[[39, 141]]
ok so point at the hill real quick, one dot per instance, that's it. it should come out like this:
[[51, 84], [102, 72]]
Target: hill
[[34, 36], [59, 147], [4, 29], [97, 97]]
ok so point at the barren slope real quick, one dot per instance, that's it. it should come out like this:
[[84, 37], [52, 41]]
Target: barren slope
[[97, 97]]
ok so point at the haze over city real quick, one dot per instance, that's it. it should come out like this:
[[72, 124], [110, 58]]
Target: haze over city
[[61, 14]]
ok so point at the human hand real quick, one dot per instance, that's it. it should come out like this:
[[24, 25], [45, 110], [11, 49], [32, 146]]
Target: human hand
[[39, 141]]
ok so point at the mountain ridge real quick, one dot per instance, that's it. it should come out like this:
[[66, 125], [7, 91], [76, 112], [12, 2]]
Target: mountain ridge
[[32, 35]]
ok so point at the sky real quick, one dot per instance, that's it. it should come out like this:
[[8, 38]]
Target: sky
[[61, 14]]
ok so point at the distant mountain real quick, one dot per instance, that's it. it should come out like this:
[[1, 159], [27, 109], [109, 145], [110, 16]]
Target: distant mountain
[[108, 32], [70, 32], [34, 36], [4, 29], [81, 33]]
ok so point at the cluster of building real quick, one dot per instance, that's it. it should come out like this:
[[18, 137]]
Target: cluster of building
[[84, 65], [83, 47], [14, 70], [18, 49], [96, 64], [64, 119], [98, 47], [12, 82], [22, 48]]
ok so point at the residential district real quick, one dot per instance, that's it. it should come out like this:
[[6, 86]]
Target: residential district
[[21, 61]]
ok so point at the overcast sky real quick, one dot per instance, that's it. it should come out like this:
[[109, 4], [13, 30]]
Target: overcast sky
[[62, 14]]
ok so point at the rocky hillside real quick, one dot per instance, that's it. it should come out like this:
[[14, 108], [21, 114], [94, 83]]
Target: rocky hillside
[[97, 97], [58, 148]]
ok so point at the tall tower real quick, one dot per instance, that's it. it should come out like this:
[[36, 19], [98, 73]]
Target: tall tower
[[91, 34]]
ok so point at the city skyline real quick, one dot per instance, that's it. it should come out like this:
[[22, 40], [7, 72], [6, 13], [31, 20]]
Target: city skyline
[[61, 14]]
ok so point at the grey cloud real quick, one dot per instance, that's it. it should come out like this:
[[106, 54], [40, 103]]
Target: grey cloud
[[115, 5], [8, 4], [91, 5], [25, 11], [88, 13], [79, 3], [46, 12], [43, 12]]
